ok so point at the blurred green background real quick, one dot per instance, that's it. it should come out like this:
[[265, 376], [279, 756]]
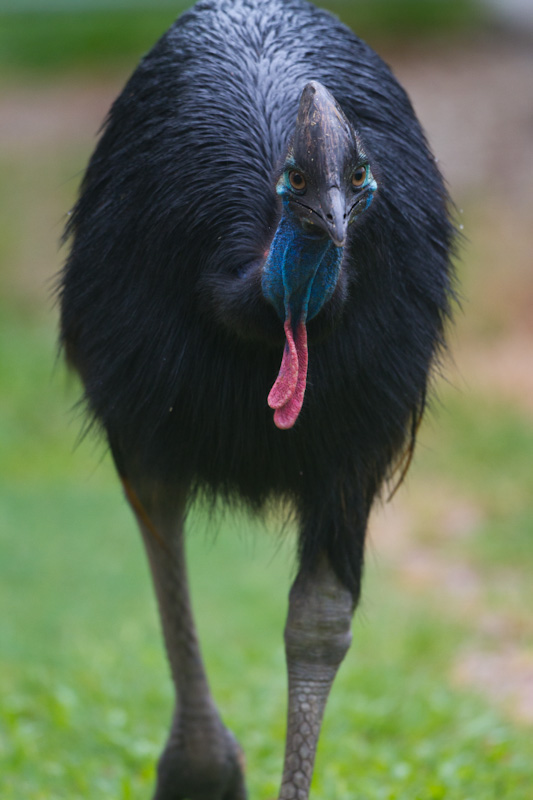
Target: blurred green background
[[435, 699]]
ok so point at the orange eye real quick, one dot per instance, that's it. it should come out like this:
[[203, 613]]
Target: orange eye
[[359, 176], [296, 180]]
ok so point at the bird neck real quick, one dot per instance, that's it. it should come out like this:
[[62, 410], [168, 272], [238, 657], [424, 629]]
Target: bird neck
[[300, 271]]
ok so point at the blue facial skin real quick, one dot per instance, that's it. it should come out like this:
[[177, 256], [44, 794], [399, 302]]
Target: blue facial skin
[[301, 269]]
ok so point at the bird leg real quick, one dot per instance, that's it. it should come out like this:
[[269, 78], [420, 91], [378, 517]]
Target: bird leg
[[317, 637], [201, 760]]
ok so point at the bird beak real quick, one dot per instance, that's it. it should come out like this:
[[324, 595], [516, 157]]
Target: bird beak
[[333, 205]]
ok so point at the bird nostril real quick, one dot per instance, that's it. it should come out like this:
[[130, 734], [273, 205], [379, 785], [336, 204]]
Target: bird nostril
[[329, 216]]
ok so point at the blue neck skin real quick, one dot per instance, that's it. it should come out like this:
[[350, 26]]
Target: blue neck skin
[[301, 271]]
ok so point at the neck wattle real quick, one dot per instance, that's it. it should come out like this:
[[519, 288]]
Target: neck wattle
[[299, 275]]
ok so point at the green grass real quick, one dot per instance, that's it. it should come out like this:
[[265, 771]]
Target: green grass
[[98, 39], [487, 445], [95, 40], [484, 447], [86, 692]]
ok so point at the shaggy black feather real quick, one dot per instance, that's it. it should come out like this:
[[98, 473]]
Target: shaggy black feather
[[161, 307]]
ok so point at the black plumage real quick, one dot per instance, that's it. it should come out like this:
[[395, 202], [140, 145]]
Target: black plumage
[[161, 310]]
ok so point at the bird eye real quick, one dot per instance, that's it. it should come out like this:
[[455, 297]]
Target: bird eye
[[359, 176], [296, 180]]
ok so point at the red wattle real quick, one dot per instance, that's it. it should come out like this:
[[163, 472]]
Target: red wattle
[[287, 394], [285, 384]]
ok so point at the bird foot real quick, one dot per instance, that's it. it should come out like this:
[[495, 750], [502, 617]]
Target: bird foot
[[201, 766]]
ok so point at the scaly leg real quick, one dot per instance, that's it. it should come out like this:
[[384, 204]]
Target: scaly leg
[[201, 760], [317, 637]]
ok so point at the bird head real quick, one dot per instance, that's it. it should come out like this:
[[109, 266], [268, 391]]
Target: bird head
[[325, 184], [326, 180]]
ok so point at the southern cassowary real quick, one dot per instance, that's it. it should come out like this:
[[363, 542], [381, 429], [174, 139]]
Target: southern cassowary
[[256, 290]]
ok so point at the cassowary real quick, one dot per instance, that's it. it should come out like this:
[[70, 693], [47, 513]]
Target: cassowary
[[257, 287]]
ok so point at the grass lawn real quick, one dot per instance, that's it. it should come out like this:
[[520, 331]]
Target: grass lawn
[[86, 692], [39, 36]]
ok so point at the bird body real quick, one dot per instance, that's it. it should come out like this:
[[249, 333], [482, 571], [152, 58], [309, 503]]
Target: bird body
[[195, 270]]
